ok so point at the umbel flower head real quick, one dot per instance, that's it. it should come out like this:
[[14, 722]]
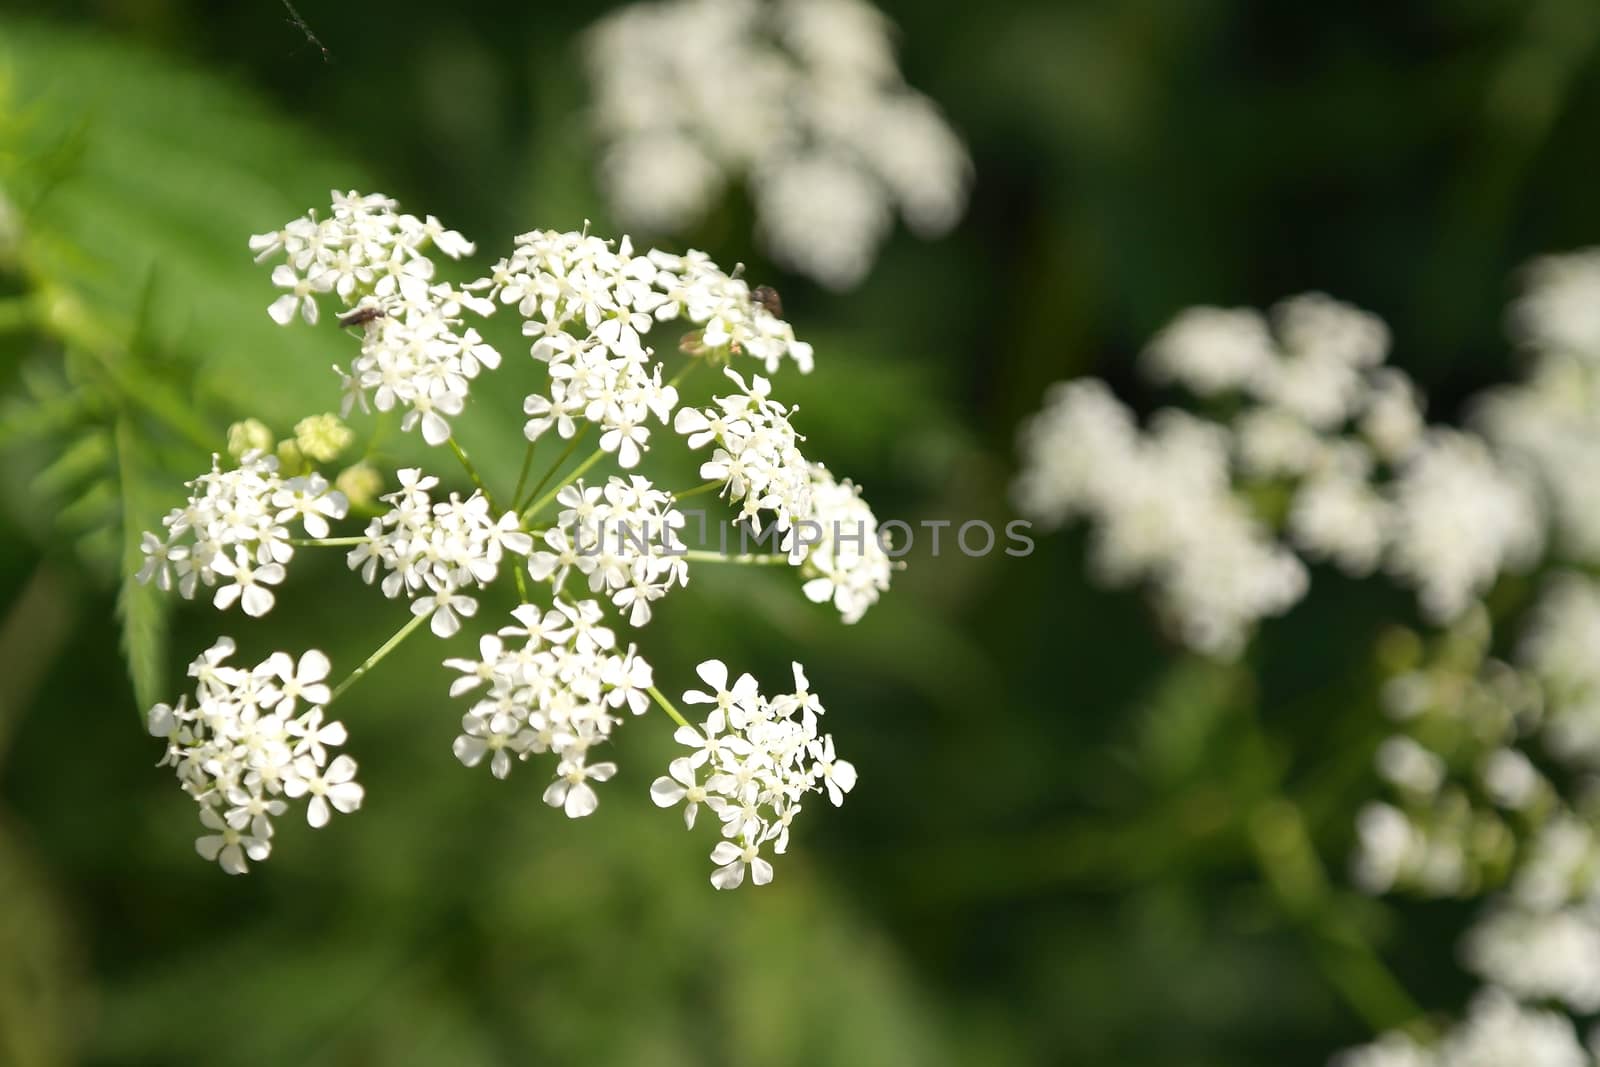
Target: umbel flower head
[[587, 556], [1325, 458], [822, 127]]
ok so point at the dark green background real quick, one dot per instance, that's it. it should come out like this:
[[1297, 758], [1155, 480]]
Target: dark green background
[[1070, 844]]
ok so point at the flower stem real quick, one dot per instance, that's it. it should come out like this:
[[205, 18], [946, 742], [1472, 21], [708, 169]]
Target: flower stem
[[327, 542], [472, 472], [683, 373], [566, 453], [697, 490], [666, 706], [550, 494], [522, 478], [522, 583], [694, 555], [373, 660]]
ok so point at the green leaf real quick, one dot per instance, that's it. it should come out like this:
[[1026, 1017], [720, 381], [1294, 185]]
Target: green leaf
[[143, 609]]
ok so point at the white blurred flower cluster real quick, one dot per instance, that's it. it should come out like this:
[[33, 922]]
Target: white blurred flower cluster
[[1498, 1032], [1319, 443], [1495, 767], [255, 739], [802, 99], [558, 680]]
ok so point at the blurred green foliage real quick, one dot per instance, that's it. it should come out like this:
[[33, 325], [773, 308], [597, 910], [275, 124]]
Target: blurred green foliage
[[1071, 843]]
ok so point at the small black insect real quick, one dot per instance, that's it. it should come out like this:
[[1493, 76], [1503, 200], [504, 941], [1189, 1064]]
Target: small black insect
[[768, 297], [361, 316]]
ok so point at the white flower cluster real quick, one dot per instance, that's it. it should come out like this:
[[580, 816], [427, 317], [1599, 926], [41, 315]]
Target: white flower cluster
[[823, 525], [1327, 447], [1474, 810], [622, 537], [234, 527], [254, 740], [557, 681], [437, 549], [1162, 508], [588, 307], [753, 760], [1551, 422], [1498, 1032], [1460, 519], [822, 126], [1559, 649], [416, 351], [756, 453], [556, 686], [849, 558]]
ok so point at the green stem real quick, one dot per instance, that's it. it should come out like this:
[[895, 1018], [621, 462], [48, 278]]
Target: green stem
[[697, 556], [550, 494], [666, 706], [687, 369], [373, 660], [522, 582], [1288, 860], [327, 542], [566, 454], [697, 490], [522, 478], [472, 472]]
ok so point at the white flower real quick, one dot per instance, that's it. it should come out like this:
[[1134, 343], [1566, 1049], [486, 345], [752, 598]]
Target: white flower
[[306, 681], [234, 526], [758, 758], [240, 750], [680, 783], [416, 350], [228, 847], [732, 859], [823, 128], [1459, 520], [1559, 649], [571, 790], [1163, 507], [249, 585], [848, 561], [1558, 312], [332, 790], [1212, 350], [1337, 515], [434, 551]]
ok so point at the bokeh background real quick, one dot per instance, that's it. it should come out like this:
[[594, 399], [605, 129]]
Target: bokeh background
[[1072, 843]]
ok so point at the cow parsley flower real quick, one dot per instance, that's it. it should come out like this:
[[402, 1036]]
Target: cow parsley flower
[[437, 549], [849, 560], [824, 130], [753, 760], [234, 526], [241, 751], [1325, 445], [622, 537], [1460, 519], [416, 350], [556, 679]]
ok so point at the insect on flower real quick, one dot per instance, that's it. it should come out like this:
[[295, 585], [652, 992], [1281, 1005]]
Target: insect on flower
[[361, 316], [768, 297]]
